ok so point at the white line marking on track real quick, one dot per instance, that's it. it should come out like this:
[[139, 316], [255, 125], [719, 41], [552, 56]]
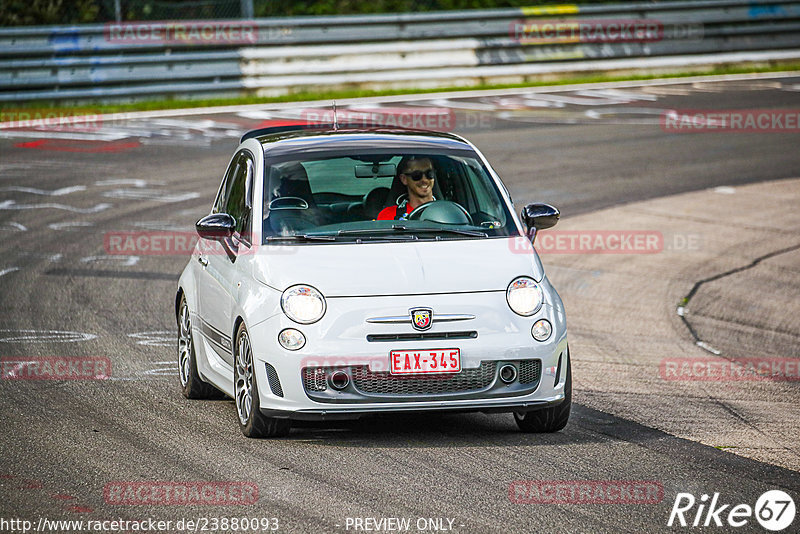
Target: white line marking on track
[[69, 224], [165, 226], [121, 260], [667, 90], [575, 100], [721, 87], [705, 346], [53, 193], [77, 136], [13, 225], [52, 258], [151, 194], [725, 190], [473, 106], [166, 371], [255, 114], [9, 270], [154, 338], [125, 181], [627, 96], [164, 368], [44, 336], [11, 205]]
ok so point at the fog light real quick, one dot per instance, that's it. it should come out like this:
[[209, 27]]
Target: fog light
[[291, 339], [508, 373], [541, 330], [339, 380]]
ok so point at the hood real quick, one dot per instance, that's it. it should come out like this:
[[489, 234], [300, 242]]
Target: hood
[[413, 268]]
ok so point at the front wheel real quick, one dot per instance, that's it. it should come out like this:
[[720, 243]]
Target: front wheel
[[192, 386], [550, 419], [251, 422]]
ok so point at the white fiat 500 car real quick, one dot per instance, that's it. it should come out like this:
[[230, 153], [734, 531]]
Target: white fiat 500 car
[[348, 272]]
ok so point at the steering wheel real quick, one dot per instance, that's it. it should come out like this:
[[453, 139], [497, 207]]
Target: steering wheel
[[441, 211]]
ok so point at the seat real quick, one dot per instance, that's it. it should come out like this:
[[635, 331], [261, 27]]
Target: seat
[[291, 182], [374, 202]]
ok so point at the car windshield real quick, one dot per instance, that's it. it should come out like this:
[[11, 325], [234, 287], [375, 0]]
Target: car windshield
[[364, 196]]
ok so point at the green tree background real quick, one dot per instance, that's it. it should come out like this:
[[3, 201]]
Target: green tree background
[[45, 12]]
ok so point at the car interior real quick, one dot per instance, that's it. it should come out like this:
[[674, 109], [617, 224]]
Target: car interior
[[296, 207]]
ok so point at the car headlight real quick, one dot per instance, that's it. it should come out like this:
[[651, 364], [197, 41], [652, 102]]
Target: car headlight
[[524, 296], [303, 304]]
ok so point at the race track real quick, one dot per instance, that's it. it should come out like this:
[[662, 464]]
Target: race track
[[63, 295]]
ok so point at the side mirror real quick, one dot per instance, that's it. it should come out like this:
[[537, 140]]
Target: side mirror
[[539, 217], [217, 226]]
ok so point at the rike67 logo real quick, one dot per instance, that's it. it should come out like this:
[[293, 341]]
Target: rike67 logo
[[774, 510]]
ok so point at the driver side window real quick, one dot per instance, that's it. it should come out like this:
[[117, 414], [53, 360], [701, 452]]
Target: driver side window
[[237, 205], [233, 195], [225, 188]]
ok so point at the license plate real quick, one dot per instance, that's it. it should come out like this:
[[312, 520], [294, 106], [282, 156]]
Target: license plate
[[407, 362]]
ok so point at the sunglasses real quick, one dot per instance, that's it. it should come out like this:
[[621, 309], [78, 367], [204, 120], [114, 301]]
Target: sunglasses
[[417, 175]]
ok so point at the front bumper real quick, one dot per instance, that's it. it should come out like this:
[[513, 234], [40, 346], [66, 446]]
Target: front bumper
[[342, 339], [338, 414]]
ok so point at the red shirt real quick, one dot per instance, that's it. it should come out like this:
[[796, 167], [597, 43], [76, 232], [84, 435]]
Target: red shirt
[[390, 212]]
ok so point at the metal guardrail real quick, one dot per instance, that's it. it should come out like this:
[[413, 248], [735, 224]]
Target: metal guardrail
[[282, 55]]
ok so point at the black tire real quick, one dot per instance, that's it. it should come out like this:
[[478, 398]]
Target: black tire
[[192, 386], [252, 422], [549, 419]]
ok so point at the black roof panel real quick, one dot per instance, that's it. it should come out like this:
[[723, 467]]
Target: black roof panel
[[279, 140]]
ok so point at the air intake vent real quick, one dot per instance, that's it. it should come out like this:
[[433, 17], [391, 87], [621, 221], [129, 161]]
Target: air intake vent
[[274, 381], [530, 371]]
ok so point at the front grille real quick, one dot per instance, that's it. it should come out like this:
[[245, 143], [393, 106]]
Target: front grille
[[374, 386], [423, 336], [274, 381], [530, 371], [384, 383]]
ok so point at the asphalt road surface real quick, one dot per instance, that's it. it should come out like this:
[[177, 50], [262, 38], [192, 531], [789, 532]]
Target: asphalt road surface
[[66, 445]]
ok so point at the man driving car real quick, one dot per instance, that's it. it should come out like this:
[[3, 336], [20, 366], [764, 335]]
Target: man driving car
[[417, 174]]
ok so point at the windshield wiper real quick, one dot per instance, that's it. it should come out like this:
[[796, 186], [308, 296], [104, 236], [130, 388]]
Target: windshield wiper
[[402, 229], [301, 237], [396, 231], [473, 233]]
